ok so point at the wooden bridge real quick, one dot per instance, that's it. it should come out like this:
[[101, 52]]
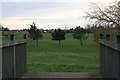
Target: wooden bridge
[[14, 58]]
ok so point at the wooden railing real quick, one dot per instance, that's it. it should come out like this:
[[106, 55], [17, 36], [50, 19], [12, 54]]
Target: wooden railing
[[14, 55], [110, 54]]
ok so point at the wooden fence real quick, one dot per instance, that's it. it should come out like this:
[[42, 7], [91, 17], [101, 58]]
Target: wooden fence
[[110, 54], [14, 56]]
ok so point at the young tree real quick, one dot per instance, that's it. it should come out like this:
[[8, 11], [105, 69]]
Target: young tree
[[79, 34], [35, 33], [109, 16], [58, 35]]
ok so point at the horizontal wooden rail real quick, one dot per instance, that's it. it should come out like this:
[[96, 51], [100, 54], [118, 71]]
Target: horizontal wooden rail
[[14, 32], [12, 43], [110, 44], [113, 32]]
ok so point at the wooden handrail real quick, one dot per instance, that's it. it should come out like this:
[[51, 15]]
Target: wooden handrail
[[110, 44], [11, 43], [111, 32], [14, 32]]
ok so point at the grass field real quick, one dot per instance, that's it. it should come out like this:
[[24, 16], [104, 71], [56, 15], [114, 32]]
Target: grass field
[[70, 56]]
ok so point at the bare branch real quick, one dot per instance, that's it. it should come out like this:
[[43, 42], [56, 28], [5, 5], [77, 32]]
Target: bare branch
[[109, 15]]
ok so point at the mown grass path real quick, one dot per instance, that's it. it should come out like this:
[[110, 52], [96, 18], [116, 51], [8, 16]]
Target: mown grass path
[[70, 56]]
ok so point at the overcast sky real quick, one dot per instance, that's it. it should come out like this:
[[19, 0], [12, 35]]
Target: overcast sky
[[47, 14]]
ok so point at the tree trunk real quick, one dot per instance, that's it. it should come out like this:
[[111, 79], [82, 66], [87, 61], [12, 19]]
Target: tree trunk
[[59, 42], [37, 42], [81, 42]]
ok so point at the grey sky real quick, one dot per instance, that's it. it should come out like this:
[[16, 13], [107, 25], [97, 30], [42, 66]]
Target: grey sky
[[47, 14]]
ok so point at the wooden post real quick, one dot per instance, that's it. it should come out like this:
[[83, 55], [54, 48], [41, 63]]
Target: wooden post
[[118, 39], [101, 36], [25, 36], [0, 63], [107, 37], [12, 37], [0, 57]]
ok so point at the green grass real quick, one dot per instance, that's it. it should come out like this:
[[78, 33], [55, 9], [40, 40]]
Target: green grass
[[70, 56]]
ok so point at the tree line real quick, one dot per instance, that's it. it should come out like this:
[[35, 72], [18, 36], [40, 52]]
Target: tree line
[[58, 34]]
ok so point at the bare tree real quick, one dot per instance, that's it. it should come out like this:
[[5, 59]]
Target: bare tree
[[109, 16]]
